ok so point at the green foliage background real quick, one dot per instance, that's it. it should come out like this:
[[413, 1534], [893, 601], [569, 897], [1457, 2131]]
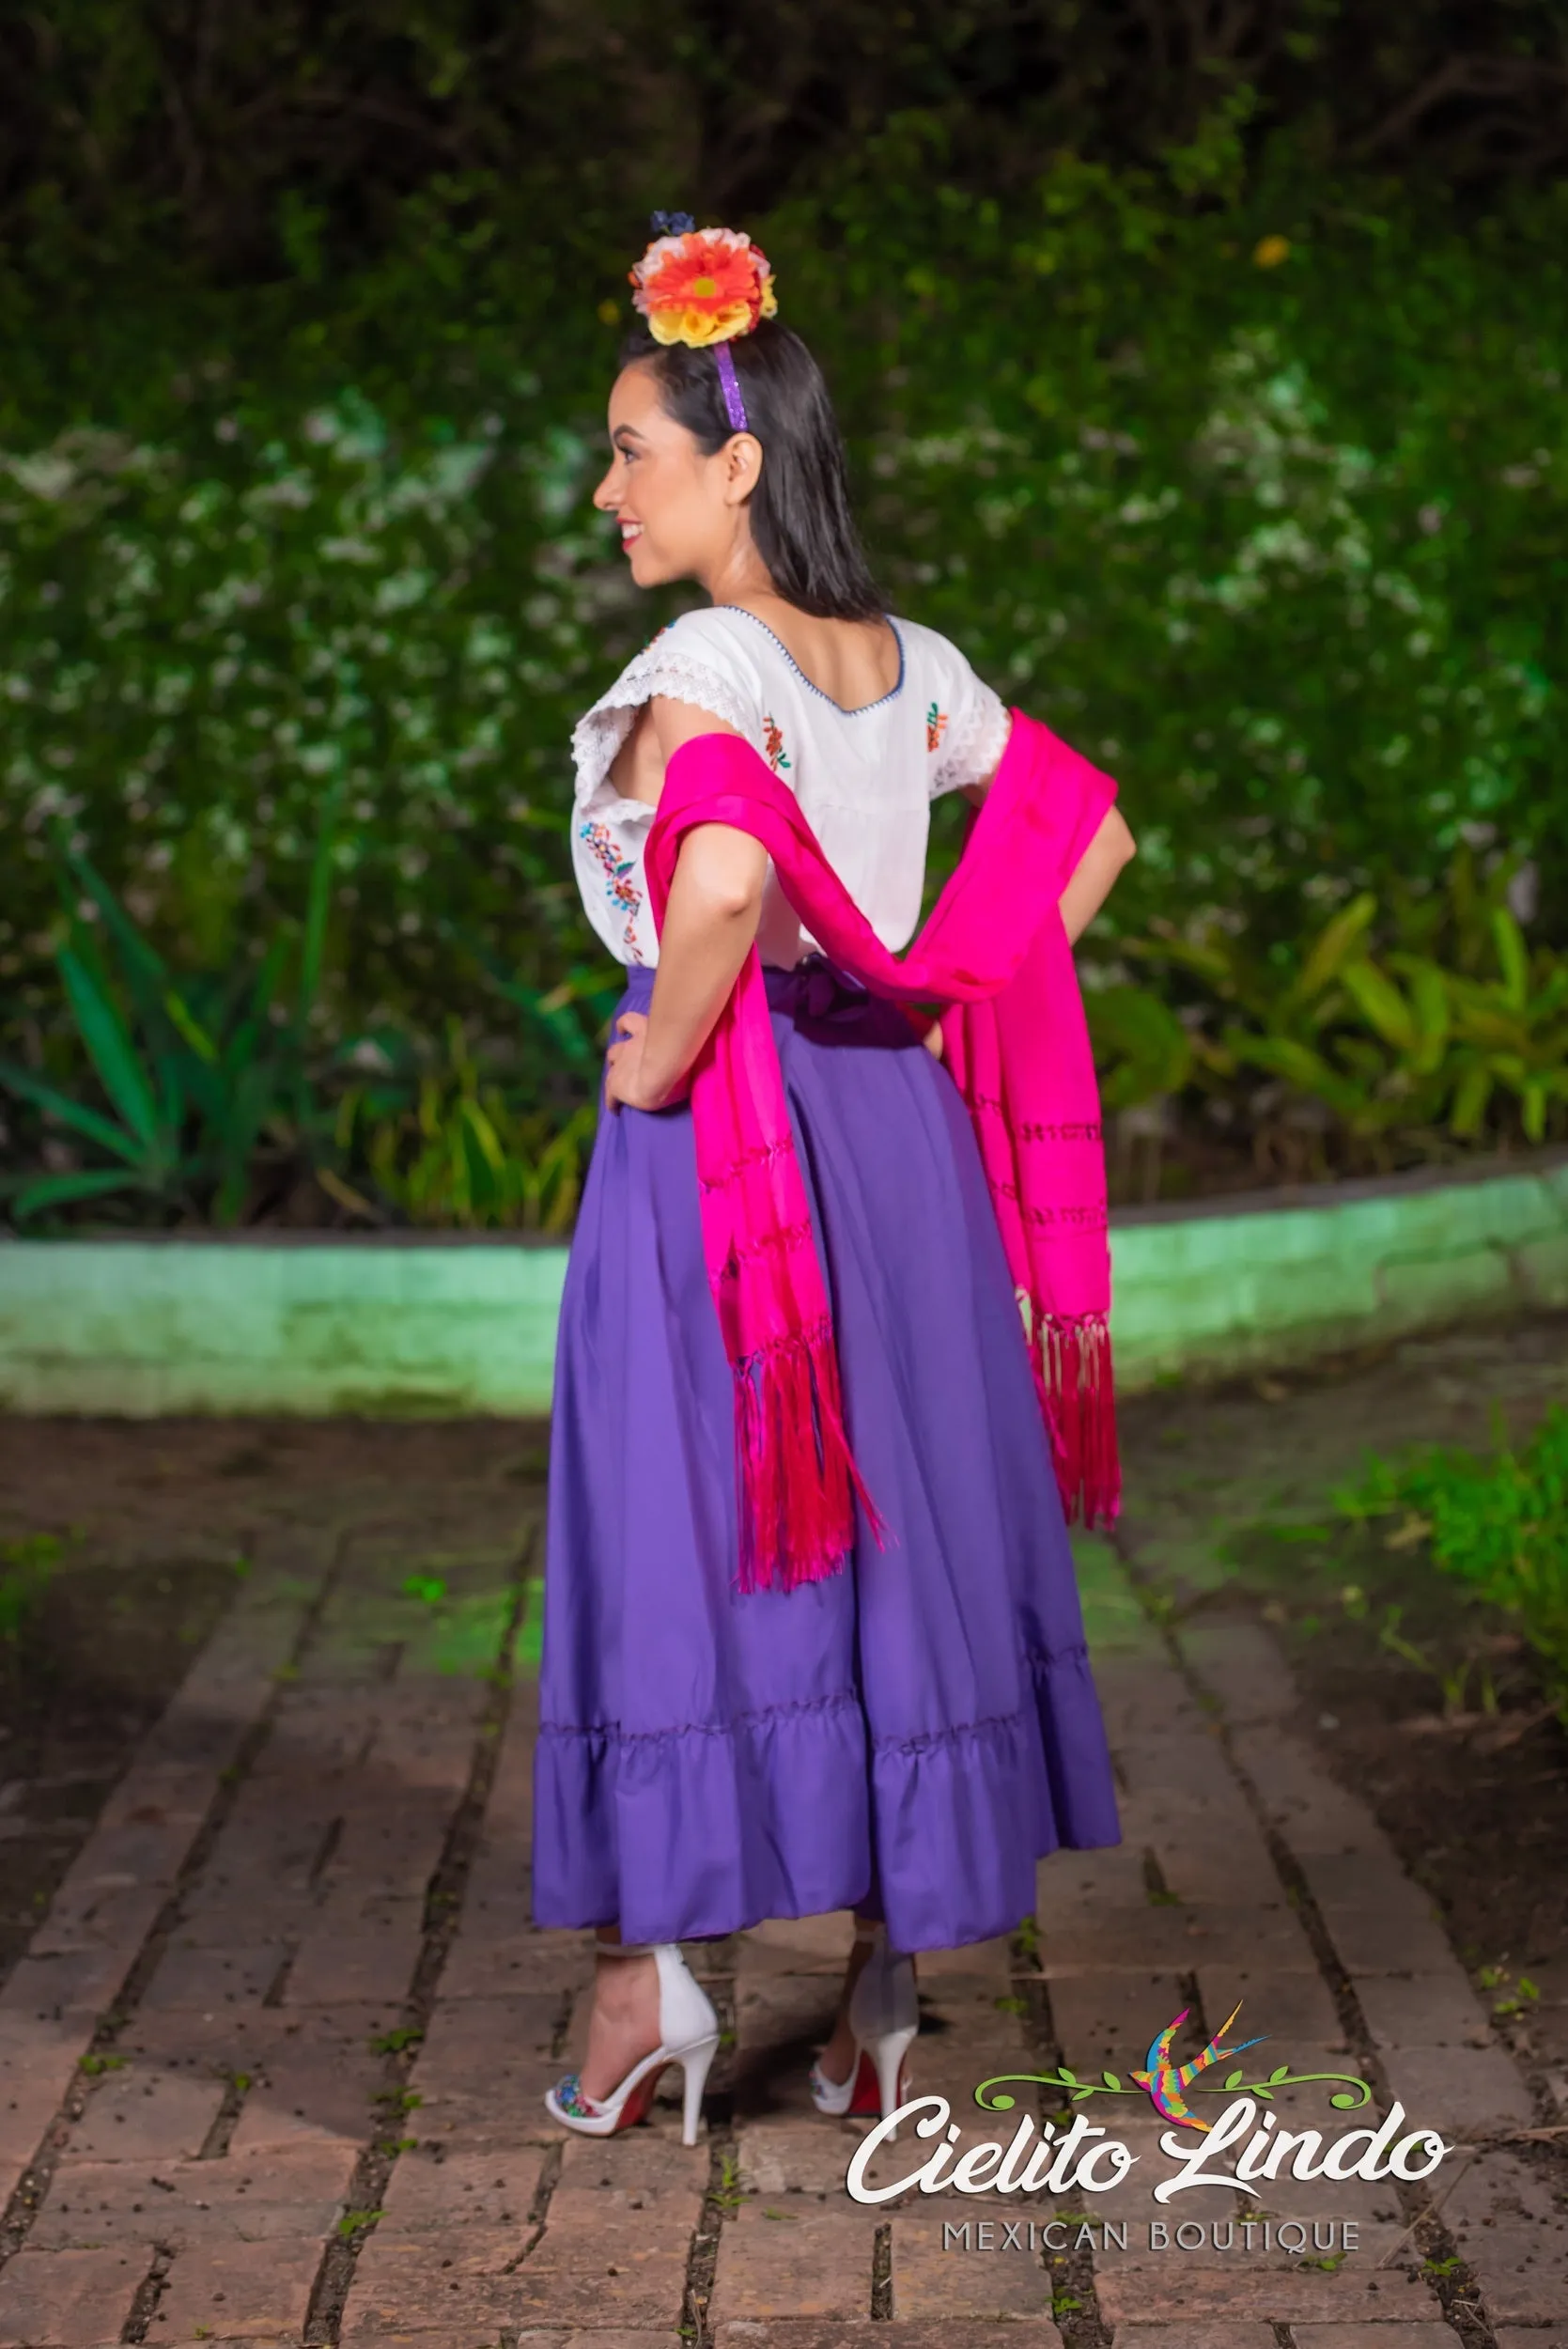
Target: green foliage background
[[1247, 474]]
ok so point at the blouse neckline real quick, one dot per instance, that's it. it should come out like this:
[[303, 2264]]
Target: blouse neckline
[[862, 708]]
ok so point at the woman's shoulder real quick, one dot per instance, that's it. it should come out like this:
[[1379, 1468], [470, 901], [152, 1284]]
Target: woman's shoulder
[[715, 633], [934, 654], [966, 722], [693, 658]]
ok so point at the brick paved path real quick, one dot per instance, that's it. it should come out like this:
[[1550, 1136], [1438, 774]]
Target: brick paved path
[[271, 2067]]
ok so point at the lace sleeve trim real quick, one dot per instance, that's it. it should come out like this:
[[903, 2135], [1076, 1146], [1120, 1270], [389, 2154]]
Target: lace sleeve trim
[[975, 742], [658, 669]]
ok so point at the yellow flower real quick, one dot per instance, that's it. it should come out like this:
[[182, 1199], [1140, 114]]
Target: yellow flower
[[700, 327], [608, 311], [1270, 251]]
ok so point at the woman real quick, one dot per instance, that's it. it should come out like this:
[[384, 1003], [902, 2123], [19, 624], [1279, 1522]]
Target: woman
[[905, 1737]]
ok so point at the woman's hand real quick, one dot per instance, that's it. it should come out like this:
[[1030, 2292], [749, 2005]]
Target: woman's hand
[[625, 1082], [929, 1031]]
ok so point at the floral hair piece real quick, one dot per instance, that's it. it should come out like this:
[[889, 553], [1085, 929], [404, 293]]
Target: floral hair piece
[[702, 286]]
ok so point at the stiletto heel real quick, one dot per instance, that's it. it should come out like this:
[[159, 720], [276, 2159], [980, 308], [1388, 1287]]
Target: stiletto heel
[[687, 2036], [693, 2075], [884, 2016], [888, 2054]]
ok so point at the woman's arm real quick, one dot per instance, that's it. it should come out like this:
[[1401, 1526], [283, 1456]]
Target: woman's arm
[[710, 923], [1110, 849]]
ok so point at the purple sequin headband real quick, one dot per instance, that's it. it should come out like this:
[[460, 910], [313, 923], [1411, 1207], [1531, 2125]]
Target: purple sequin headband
[[702, 287], [729, 383]]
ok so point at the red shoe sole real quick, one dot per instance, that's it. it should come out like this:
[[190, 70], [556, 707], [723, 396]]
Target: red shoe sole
[[637, 2104], [866, 2097]]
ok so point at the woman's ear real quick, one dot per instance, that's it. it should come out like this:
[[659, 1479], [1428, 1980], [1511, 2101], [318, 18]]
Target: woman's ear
[[743, 467]]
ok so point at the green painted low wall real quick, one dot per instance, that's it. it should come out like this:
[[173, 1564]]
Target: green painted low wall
[[1288, 1278], [431, 1327], [141, 1327]]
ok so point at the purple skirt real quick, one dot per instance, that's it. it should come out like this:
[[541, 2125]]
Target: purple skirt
[[906, 1736]]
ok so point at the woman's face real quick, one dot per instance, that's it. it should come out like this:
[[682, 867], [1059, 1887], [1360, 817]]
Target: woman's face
[[678, 511]]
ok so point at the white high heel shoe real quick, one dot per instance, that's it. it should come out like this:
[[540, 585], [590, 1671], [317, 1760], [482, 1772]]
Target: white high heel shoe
[[884, 2016], [687, 2036]]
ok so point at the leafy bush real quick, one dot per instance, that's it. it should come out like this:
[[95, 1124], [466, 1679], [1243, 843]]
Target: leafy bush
[[1367, 1060], [274, 129], [1499, 1525], [203, 1076], [1265, 521], [211, 1100], [1257, 497], [224, 628], [441, 1144]]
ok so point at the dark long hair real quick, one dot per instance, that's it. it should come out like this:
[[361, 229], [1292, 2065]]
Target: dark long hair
[[801, 522]]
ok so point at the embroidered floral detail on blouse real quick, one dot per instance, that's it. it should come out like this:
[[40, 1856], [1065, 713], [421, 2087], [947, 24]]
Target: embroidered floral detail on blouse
[[774, 744], [935, 726], [621, 891], [569, 2096]]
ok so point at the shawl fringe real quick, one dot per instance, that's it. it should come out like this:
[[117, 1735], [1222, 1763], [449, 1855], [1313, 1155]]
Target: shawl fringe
[[795, 1476], [1073, 1373]]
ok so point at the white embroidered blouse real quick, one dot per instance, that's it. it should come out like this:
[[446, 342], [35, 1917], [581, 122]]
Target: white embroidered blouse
[[866, 778]]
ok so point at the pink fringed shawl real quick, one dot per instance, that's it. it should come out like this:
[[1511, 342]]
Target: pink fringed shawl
[[994, 951]]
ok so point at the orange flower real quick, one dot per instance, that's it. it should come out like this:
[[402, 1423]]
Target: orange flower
[[1270, 251], [702, 286]]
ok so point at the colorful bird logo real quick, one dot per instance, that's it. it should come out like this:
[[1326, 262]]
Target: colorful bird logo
[[1165, 2080]]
